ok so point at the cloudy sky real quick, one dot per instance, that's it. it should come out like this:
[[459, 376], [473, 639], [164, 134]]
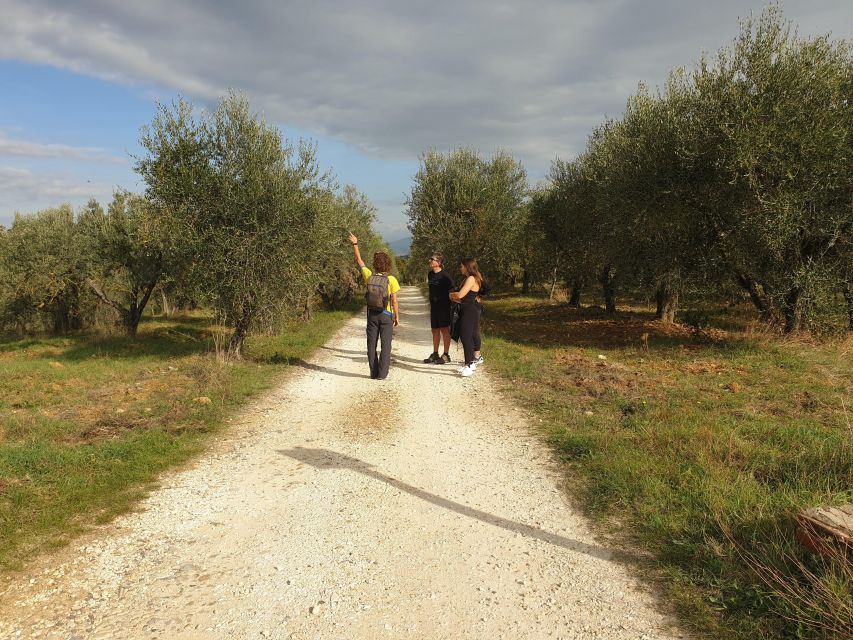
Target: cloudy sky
[[375, 83]]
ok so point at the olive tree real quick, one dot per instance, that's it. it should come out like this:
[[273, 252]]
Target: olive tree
[[768, 140], [130, 252], [44, 268], [467, 206], [246, 203]]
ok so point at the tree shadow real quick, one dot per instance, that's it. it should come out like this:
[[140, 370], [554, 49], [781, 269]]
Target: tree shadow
[[326, 459], [160, 338], [543, 324]]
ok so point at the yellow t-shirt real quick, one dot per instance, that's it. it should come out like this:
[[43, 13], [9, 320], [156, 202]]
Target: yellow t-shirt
[[393, 286]]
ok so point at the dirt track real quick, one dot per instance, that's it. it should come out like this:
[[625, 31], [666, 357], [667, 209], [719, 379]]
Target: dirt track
[[441, 520]]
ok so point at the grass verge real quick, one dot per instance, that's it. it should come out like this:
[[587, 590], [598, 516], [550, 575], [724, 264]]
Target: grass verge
[[87, 424], [698, 451]]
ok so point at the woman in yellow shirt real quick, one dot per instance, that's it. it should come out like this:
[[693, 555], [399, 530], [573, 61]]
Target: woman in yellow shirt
[[382, 319]]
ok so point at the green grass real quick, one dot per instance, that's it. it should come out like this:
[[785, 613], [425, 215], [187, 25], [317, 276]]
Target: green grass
[[698, 451], [88, 423]]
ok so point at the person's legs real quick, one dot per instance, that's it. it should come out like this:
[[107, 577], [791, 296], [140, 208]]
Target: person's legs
[[372, 338], [466, 334], [445, 336], [386, 333], [433, 357], [477, 340]]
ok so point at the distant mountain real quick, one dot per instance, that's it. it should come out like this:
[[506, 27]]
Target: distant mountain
[[401, 247]]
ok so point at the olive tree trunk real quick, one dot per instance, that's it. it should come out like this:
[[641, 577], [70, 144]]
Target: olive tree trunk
[[756, 292], [241, 330], [791, 310], [132, 314], [576, 291], [667, 301]]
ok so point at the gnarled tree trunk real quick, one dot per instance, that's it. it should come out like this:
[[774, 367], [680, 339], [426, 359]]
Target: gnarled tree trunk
[[791, 310], [667, 301], [241, 330], [575, 293], [756, 292], [131, 315]]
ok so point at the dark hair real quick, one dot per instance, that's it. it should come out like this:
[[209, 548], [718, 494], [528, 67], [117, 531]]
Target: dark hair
[[472, 269], [439, 257], [381, 262]]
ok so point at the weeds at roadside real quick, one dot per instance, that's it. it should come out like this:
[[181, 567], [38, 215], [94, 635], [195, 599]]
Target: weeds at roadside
[[88, 422], [677, 438]]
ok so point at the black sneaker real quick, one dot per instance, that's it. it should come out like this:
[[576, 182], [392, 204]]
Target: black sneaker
[[444, 359], [433, 358]]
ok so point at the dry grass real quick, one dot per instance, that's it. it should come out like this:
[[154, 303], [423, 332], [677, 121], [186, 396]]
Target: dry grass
[[702, 444], [87, 422]]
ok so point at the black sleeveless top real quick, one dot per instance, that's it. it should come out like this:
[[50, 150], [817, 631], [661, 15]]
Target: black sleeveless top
[[470, 297]]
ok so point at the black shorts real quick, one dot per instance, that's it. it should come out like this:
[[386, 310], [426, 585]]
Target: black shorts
[[439, 317]]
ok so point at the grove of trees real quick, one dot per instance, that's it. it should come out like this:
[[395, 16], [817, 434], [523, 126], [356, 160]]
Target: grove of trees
[[735, 178], [234, 217]]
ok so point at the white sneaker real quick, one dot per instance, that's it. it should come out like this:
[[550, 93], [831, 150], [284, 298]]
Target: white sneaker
[[472, 366], [479, 360], [467, 371]]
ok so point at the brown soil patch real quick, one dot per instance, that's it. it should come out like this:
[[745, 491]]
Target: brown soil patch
[[595, 378], [7, 482], [545, 324], [370, 417], [709, 367]]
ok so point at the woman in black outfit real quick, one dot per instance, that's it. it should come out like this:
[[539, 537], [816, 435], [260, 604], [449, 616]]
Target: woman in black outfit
[[469, 330]]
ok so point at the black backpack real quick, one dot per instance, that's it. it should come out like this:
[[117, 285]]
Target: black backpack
[[377, 292]]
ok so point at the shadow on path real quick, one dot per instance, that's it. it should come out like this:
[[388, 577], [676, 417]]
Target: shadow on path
[[326, 459], [316, 367], [396, 361]]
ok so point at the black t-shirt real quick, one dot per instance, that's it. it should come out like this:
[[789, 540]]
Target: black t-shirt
[[440, 286]]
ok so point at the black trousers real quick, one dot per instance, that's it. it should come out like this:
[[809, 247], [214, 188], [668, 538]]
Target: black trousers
[[469, 330], [380, 327]]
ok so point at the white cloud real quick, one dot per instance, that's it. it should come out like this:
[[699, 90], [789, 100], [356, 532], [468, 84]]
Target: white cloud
[[391, 77], [21, 188], [30, 149]]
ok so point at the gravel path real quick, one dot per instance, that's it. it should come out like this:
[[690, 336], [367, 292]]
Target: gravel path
[[442, 519]]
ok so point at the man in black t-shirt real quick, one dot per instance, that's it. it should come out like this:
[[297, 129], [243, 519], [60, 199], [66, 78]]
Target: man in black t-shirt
[[440, 286]]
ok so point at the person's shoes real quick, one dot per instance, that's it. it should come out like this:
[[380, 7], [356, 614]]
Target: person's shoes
[[479, 360], [472, 367], [467, 371], [433, 358], [444, 359]]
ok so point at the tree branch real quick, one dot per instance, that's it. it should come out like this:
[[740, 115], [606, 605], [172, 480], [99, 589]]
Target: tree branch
[[102, 296]]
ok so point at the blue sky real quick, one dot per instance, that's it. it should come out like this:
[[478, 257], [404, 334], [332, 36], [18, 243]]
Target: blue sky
[[45, 105], [374, 83]]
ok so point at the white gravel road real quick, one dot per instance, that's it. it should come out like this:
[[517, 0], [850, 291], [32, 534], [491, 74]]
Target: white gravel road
[[315, 518]]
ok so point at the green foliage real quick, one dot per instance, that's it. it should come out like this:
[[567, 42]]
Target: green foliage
[[130, 248], [702, 452], [44, 262], [465, 206], [259, 221], [737, 172], [338, 276]]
